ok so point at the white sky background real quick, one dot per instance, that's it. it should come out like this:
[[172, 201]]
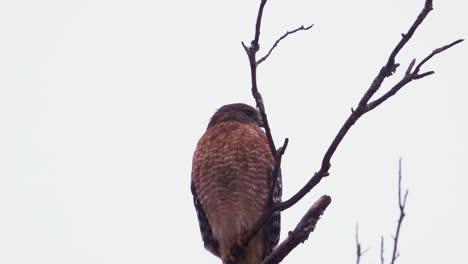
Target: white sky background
[[102, 103]]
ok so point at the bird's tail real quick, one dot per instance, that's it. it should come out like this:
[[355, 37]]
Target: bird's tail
[[254, 252]]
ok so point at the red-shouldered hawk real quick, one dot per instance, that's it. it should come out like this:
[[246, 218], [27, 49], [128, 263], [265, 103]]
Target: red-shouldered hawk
[[232, 184]]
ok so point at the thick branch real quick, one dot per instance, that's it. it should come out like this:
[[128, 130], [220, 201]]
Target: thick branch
[[300, 233]]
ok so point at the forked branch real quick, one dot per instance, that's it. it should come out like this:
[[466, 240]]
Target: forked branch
[[410, 75], [359, 251], [363, 107], [401, 206]]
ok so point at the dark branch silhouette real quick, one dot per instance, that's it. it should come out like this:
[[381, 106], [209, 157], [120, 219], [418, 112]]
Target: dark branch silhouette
[[382, 259], [301, 232], [359, 252], [409, 76], [251, 54], [281, 38], [363, 107], [401, 206]]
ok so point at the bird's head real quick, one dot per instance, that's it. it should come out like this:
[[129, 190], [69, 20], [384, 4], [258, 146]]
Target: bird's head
[[236, 112]]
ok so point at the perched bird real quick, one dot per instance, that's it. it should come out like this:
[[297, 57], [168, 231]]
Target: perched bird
[[232, 184]]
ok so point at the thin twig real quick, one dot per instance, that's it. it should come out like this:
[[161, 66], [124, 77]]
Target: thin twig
[[381, 250], [255, 41], [251, 54], [410, 76], [300, 233], [435, 52], [359, 251], [281, 38], [358, 246], [401, 206], [390, 67]]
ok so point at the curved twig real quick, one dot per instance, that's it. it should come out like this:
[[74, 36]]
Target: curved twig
[[281, 38]]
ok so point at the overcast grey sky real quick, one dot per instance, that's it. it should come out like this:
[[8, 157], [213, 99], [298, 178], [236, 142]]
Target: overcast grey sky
[[102, 103]]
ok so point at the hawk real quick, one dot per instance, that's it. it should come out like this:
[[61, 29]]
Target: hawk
[[232, 184]]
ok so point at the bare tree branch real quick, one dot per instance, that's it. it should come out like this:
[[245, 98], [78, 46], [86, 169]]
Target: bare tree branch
[[401, 206], [410, 76], [435, 52], [281, 38], [363, 107], [300, 233], [382, 250], [359, 251], [277, 154], [251, 54], [358, 246]]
